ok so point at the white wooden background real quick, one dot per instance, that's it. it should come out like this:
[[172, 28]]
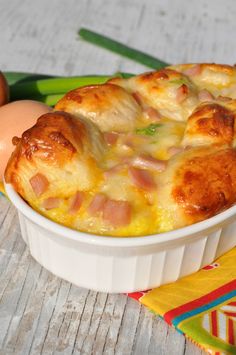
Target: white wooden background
[[39, 313]]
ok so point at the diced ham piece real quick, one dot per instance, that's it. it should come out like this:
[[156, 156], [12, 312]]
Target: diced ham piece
[[181, 93], [128, 140], [175, 150], [205, 95], [142, 178], [117, 213], [111, 137], [115, 169], [75, 202], [194, 70], [51, 202], [131, 140], [97, 204], [138, 98], [39, 184], [148, 162], [152, 114]]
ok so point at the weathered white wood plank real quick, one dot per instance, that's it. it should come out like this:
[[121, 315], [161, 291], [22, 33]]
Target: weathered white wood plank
[[40, 313], [42, 35]]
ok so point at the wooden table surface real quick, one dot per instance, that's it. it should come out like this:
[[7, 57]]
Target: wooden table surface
[[40, 313]]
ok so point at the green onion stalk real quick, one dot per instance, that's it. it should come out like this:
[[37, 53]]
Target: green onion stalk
[[121, 49], [51, 90], [44, 87]]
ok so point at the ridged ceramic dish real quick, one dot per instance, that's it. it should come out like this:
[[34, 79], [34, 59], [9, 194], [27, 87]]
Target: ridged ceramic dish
[[111, 264]]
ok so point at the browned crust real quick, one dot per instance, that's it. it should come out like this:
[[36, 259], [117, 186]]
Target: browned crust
[[96, 97], [55, 138], [163, 74], [214, 121], [223, 68], [206, 185], [108, 106]]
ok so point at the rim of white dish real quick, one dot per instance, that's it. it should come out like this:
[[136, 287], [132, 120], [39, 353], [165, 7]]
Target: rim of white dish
[[113, 241]]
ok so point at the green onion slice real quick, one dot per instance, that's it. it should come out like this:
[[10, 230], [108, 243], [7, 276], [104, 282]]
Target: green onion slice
[[123, 50], [149, 130]]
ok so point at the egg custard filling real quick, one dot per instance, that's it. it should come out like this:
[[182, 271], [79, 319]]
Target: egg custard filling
[[135, 156]]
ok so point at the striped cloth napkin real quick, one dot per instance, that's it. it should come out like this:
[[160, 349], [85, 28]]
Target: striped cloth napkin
[[202, 306]]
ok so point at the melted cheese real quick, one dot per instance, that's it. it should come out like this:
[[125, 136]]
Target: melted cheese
[[118, 186], [148, 115]]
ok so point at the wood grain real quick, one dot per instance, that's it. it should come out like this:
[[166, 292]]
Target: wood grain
[[40, 313]]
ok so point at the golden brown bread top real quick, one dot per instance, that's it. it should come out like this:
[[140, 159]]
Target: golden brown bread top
[[197, 184], [206, 184], [66, 150], [167, 90], [220, 79], [158, 146], [210, 123], [110, 107], [57, 136]]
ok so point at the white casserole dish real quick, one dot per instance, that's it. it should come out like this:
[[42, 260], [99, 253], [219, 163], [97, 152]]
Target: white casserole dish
[[112, 264]]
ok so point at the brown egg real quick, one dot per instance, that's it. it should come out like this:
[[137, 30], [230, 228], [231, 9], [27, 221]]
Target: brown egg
[[15, 118], [4, 90]]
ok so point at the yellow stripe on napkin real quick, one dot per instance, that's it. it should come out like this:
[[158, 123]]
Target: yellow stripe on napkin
[[170, 296]]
